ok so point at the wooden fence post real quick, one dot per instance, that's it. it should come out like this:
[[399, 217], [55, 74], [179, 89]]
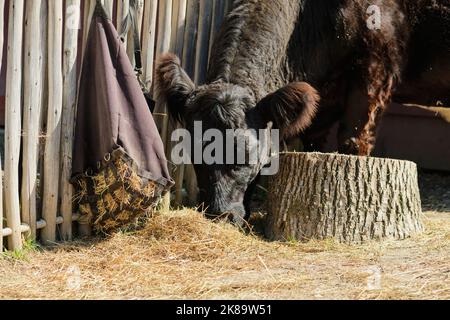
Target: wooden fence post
[[123, 7], [1, 202], [139, 6], [53, 136], [190, 37], [178, 31], [89, 7], [13, 125], [180, 28], [148, 50], [33, 83], [68, 120], [2, 29], [163, 45], [148, 40], [229, 5], [219, 12], [85, 230], [189, 49], [109, 8], [202, 50], [2, 11]]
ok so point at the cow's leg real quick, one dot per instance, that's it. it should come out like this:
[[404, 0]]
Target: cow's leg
[[315, 137], [365, 106], [353, 120], [315, 142]]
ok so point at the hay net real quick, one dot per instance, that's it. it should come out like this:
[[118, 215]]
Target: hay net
[[117, 195], [119, 166]]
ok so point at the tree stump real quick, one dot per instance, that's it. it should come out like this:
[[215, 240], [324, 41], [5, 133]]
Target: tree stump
[[349, 198]]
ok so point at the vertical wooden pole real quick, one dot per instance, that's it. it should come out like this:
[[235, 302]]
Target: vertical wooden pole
[[1, 194], [139, 6], [164, 26], [68, 120], [123, 7], [228, 5], [202, 51], [163, 45], [85, 230], [43, 113], [173, 36], [180, 27], [2, 22], [13, 125], [219, 7], [89, 6], [190, 37], [140, 18], [177, 48], [33, 83], [148, 40], [189, 54], [119, 15], [109, 7], [2, 29], [53, 138]]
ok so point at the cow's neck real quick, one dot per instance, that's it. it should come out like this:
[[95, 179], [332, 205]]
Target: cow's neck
[[251, 49]]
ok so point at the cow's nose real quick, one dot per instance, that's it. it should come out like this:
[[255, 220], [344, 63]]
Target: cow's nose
[[235, 214]]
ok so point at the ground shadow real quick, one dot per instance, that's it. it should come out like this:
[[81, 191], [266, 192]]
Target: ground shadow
[[435, 190]]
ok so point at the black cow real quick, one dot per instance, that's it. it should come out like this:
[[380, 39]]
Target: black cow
[[358, 54]]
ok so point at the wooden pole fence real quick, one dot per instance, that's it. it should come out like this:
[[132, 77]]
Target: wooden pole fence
[[54, 112], [2, 22], [33, 83], [13, 102], [68, 114], [46, 43]]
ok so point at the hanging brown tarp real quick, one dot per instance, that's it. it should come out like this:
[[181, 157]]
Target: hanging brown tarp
[[119, 165]]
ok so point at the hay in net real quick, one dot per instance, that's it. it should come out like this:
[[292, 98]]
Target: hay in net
[[116, 196], [111, 204], [100, 184]]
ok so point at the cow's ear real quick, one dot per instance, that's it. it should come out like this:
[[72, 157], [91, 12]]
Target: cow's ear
[[172, 84], [291, 109]]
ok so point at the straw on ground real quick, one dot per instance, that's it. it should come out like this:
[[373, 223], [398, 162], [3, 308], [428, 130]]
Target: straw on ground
[[182, 255]]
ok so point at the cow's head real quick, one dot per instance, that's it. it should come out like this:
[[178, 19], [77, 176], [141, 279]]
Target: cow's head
[[223, 106]]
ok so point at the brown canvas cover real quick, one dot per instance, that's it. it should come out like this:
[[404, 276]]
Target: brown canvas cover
[[119, 166], [112, 110]]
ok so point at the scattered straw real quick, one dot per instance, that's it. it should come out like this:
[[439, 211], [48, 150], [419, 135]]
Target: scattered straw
[[182, 255], [82, 191]]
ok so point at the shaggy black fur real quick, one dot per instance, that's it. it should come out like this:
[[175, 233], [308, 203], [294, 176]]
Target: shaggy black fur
[[268, 49]]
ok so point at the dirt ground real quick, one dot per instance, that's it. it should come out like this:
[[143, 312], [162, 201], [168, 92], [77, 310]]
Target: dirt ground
[[181, 255]]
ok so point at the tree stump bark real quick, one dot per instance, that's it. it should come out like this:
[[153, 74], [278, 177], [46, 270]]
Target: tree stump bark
[[352, 199]]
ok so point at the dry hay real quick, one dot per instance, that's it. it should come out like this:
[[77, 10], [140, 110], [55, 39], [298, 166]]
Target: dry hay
[[115, 197], [182, 255]]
